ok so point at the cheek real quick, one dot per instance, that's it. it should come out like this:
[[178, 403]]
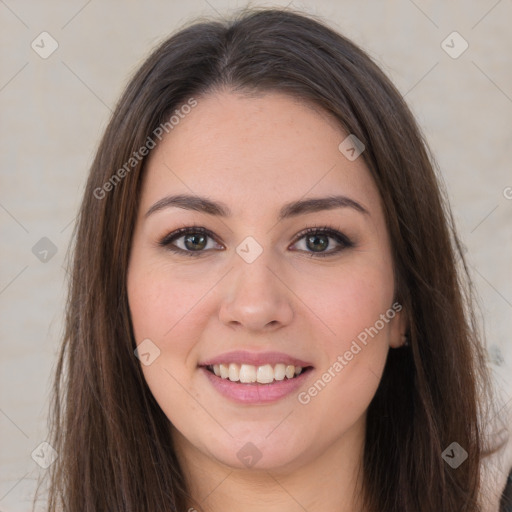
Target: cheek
[[168, 307], [355, 355], [161, 301], [357, 306], [167, 310], [349, 301]]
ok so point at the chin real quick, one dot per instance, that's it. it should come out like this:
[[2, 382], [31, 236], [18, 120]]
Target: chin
[[257, 453]]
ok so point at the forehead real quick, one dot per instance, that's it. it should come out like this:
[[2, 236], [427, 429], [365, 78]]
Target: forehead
[[254, 153]]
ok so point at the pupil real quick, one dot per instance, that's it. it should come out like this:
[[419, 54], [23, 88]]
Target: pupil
[[193, 239], [322, 244]]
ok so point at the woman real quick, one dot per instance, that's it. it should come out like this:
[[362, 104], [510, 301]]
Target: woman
[[269, 306]]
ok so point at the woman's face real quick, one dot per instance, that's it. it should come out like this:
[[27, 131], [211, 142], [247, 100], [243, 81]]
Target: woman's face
[[247, 290]]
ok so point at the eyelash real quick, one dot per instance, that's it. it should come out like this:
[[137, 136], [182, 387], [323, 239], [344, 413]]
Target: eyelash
[[341, 238]]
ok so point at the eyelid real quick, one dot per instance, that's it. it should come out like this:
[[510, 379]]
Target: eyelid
[[325, 229]]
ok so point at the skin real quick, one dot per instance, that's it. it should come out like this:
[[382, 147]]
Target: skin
[[255, 153]]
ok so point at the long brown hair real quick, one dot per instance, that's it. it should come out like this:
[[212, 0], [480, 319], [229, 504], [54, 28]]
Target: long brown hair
[[113, 441]]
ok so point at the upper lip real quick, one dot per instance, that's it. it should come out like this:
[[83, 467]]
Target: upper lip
[[255, 358]]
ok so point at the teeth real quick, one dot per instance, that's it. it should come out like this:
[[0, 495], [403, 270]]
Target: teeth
[[234, 372], [265, 374], [279, 371], [248, 373], [223, 370]]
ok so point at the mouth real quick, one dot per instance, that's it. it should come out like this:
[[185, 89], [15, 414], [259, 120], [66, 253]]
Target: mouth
[[266, 374], [253, 378]]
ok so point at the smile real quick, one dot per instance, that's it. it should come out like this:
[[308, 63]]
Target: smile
[[248, 373], [248, 377]]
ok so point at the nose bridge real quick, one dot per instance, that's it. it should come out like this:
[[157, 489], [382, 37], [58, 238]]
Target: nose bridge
[[254, 295], [254, 275]]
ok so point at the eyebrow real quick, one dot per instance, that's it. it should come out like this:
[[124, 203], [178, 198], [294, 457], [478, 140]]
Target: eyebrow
[[293, 209]]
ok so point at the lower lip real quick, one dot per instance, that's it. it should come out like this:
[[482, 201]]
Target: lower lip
[[255, 393]]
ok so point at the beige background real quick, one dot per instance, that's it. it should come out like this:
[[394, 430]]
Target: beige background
[[53, 111]]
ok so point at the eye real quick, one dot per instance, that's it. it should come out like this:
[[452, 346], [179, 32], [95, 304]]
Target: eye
[[195, 240], [317, 239]]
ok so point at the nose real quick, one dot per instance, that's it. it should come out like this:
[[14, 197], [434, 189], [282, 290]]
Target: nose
[[256, 296]]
